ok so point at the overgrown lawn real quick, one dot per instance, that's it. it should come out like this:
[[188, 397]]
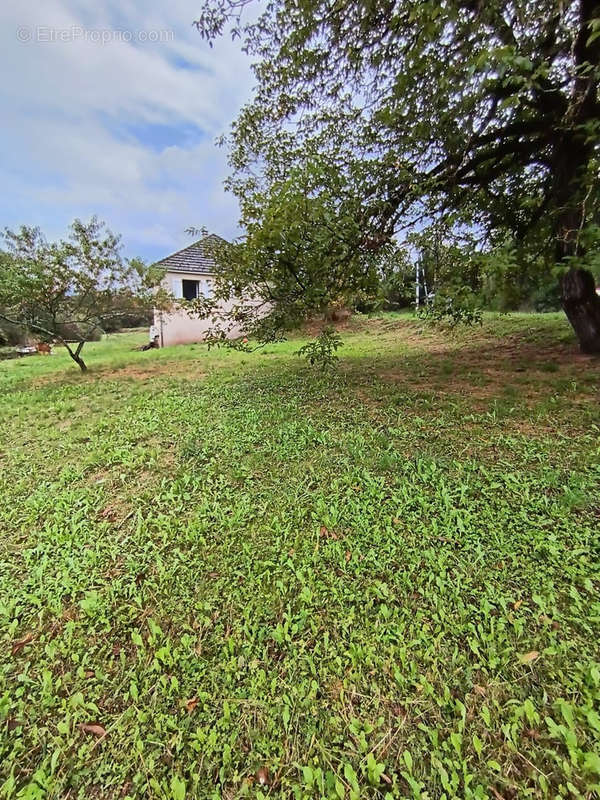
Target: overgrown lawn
[[227, 575]]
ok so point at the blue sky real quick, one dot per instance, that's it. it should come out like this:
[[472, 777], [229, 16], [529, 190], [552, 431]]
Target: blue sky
[[112, 108]]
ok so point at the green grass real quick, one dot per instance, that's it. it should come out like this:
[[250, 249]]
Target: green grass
[[377, 583]]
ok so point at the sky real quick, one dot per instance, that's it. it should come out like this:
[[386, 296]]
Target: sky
[[112, 108]]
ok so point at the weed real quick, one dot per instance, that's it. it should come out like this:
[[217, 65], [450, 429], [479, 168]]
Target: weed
[[224, 575]]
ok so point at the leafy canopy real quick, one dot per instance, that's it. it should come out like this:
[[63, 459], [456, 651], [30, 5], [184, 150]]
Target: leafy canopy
[[66, 290], [397, 113]]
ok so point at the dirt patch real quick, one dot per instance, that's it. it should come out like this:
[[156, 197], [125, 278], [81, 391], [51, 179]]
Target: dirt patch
[[181, 370], [187, 370]]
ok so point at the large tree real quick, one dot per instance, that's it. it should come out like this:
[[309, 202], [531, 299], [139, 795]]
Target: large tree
[[486, 111], [65, 291]]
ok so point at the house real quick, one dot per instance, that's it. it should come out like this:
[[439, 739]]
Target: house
[[189, 273]]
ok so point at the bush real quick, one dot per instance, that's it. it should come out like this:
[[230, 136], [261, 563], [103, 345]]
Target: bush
[[141, 319], [74, 333], [11, 334]]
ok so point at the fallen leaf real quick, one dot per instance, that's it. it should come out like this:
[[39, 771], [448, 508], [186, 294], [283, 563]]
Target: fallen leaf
[[531, 733], [386, 778], [89, 673], [263, 777], [517, 604], [20, 643], [544, 618], [527, 658], [93, 728], [348, 555], [191, 704], [110, 513]]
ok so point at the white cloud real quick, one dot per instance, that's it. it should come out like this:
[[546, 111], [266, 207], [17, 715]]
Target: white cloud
[[80, 118]]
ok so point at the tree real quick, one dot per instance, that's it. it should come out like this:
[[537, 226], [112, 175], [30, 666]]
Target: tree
[[66, 290], [304, 251], [487, 112]]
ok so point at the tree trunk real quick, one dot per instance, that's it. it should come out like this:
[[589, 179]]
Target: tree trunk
[[76, 357], [574, 154], [581, 304], [81, 363]]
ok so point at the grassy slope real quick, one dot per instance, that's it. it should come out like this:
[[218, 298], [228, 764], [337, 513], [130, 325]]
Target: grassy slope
[[229, 563]]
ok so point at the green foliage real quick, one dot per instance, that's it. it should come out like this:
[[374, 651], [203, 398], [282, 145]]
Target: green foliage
[[235, 564], [388, 115], [67, 290], [456, 307], [512, 277], [303, 252], [322, 350]]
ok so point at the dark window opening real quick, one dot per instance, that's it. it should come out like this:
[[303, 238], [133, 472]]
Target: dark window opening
[[190, 289]]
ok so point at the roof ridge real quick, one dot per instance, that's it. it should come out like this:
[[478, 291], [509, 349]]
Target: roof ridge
[[193, 258]]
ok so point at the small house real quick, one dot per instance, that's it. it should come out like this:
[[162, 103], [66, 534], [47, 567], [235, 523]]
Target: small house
[[189, 273]]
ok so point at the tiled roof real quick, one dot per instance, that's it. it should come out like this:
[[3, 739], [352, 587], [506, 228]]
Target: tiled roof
[[195, 258]]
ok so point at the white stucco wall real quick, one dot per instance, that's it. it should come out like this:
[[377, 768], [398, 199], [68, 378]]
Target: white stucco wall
[[177, 326]]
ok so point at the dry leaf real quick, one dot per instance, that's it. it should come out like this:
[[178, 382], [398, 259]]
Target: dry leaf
[[479, 689], [89, 673], [20, 643], [544, 618], [110, 513], [517, 604], [93, 728], [191, 704], [348, 555], [527, 658], [531, 733], [263, 777]]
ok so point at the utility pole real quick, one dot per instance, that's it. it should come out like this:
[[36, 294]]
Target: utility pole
[[417, 288]]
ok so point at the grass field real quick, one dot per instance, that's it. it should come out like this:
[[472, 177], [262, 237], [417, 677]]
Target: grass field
[[226, 575]]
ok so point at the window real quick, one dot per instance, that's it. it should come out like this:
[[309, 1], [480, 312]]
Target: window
[[190, 289]]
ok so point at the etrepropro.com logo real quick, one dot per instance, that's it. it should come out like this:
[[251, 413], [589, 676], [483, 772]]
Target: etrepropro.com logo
[[77, 33]]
